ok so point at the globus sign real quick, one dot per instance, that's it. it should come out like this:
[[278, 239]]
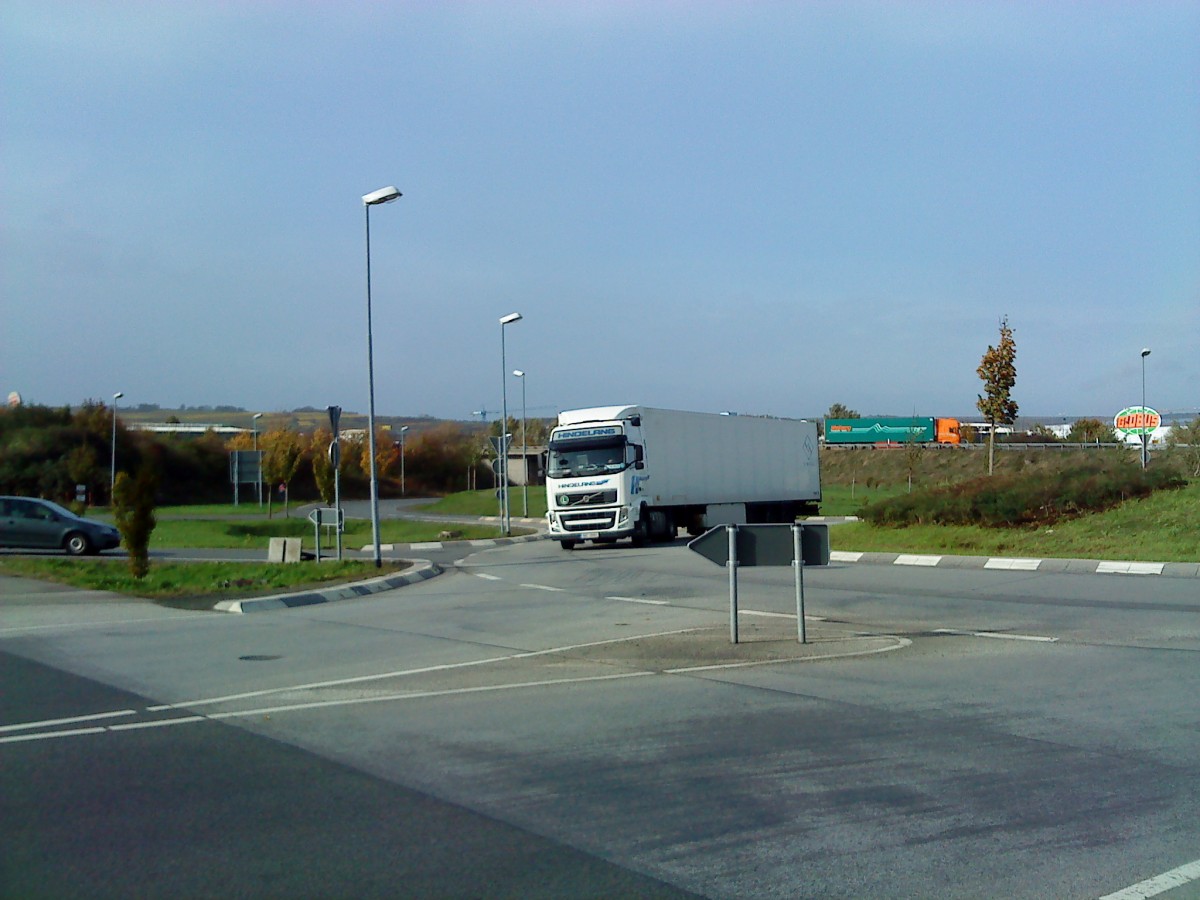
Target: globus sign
[[1137, 420]]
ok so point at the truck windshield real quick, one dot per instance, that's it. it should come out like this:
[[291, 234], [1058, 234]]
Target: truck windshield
[[587, 457]]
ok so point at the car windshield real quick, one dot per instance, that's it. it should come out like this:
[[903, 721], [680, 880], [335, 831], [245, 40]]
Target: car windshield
[[586, 457]]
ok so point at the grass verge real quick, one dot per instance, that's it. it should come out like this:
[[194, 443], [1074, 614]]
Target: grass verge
[[1158, 528], [194, 585], [484, 503]]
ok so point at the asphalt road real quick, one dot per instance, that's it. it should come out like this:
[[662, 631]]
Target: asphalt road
[[537, 723]]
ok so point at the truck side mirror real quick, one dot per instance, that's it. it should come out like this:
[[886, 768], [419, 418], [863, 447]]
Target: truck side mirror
[[638, 457]]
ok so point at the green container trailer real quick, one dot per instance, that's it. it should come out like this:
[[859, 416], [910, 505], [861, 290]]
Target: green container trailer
[[906, 430]]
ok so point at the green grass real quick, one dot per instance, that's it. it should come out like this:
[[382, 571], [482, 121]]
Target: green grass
[[484, 503], [1159, 528], [194, 585], [242, 534], [847, 500]]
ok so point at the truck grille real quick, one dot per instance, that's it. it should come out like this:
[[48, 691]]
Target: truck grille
[[588, 521], [587, 498]]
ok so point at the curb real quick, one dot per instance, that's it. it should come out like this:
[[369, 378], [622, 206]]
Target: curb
[[422, 570], [441, 545], [1049, 565]]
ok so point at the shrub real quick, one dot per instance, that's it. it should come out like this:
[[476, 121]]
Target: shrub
[[133, 508], [1034, 498]]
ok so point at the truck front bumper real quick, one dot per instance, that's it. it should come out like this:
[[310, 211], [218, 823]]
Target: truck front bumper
[[590, 524]]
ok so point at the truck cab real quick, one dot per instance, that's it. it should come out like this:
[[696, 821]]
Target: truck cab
[[594, 476]]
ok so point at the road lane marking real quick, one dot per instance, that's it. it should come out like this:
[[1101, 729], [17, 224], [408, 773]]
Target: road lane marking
[[914, 559], [419, 695], [900, 644], [486, 577], [545, 587], [341, 682], [157, 723], [844, 556], [73, 720], [426, 545], [999, 635], [49, 735], [641, 600], [1185, 874]]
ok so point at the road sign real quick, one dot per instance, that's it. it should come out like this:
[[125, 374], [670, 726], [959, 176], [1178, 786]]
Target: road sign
[[734, 546], [335, 415], [765, 545], [335, 454], [327, 516]]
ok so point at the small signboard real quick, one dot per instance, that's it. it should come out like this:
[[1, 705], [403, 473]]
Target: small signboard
[[734, 546], [765, 545]]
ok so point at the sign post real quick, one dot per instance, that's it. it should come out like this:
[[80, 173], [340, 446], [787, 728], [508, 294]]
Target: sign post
[[796, 545], [335, 457]]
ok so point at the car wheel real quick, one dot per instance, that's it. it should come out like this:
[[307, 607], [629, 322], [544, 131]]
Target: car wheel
[[77, 544]]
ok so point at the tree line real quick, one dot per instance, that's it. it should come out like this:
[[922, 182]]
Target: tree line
[[49, 451]]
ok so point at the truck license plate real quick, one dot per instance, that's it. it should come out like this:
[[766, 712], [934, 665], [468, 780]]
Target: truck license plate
[[591, 535]]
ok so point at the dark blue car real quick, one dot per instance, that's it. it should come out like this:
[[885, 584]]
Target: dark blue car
[[33, 524]]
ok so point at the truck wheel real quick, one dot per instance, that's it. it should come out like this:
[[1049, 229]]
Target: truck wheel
[[641, 531], [567, 545]]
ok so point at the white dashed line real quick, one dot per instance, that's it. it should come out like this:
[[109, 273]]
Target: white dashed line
[[640, 600], [544, 587]]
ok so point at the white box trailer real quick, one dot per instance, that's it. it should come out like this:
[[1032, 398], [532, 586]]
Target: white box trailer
[[642, 473]]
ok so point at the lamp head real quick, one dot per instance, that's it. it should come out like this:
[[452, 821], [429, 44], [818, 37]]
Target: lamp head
[[511, 317], [518, 373], [383, 195], [118, 395], [1145, 352]]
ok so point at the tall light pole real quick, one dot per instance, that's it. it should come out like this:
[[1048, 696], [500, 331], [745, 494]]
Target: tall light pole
[[403, 428], [1145, 437], [112, 478], [383, 195], [257, 459], [504, 320], [524, 450]]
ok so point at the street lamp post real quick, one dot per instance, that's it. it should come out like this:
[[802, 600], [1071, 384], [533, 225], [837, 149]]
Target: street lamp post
[[257, 459], [1145, 436], [403, 428], [383, 195], [505, 320], [112, 478], [524, 450]]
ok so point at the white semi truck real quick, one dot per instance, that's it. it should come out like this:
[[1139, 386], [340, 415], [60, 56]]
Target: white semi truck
[[641, 473]]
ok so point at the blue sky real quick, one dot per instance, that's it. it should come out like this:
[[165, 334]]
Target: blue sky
[[760, 207]]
